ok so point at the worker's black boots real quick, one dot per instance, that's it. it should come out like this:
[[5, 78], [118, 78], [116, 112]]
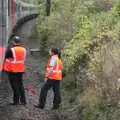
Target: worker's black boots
[[39, 106]]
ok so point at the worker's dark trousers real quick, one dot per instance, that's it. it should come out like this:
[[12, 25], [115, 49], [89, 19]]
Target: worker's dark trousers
[[16, 83], [55, 85]]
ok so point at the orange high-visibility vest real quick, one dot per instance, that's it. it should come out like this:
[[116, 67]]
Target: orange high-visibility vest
[[16, 64], [57, 69]]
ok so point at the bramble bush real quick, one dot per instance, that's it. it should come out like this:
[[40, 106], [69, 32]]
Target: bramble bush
[[88, 34]]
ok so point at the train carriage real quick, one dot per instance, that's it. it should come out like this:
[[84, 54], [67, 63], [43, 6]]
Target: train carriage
[[2, 31], [11, 11]]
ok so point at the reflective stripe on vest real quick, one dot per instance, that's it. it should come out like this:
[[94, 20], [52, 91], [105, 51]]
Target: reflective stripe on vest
[[57, 70], [14, 61], [0, 65]]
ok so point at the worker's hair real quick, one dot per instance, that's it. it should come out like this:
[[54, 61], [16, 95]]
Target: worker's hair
[[16, 39], [55, 51]]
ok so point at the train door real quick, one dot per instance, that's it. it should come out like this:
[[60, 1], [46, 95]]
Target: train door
[[2, 32]]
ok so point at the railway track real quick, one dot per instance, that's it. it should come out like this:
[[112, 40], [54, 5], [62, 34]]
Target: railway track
[[31, 80]]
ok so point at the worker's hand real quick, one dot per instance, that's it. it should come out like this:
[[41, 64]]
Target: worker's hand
[[45, 80]]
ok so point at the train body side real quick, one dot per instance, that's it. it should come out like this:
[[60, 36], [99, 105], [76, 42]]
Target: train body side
[[11, 11], [3, 29], [19, 10]]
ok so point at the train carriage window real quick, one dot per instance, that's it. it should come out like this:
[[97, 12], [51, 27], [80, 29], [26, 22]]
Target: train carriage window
[[3, 13], [16, 7], [24, 8], [8, 7]]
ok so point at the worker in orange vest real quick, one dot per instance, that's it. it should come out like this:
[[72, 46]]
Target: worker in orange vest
[[53, 77], [14, 65]]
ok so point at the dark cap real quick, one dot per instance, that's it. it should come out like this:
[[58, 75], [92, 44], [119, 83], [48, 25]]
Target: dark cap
[[16, 39]]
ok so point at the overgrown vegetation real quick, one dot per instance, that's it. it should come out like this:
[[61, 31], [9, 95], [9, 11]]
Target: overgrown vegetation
[[88, 34]]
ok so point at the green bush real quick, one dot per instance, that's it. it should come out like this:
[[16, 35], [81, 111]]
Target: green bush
[[88, 35]]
